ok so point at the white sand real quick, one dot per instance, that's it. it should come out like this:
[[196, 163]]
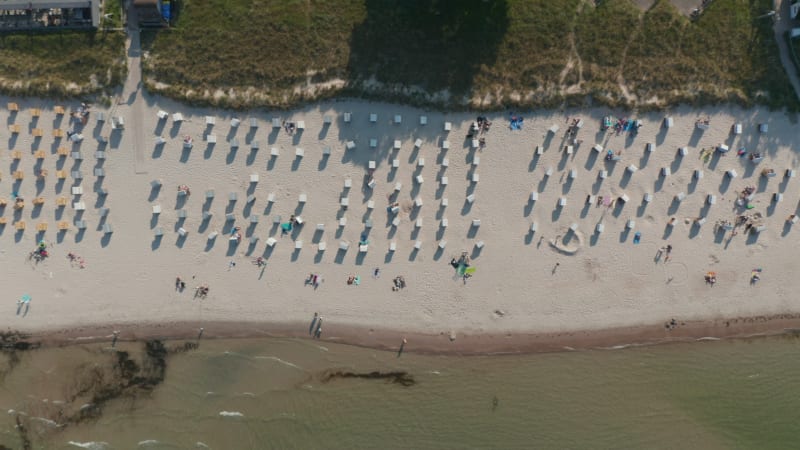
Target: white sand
[[609, 282]]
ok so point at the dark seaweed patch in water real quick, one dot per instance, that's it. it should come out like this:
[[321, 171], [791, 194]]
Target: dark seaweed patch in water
[[397, 377], [12, 342]]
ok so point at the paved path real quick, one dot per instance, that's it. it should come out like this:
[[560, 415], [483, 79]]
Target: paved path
[[783, 24], [132, 97]]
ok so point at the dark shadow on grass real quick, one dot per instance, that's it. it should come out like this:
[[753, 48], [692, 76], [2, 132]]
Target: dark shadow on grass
[[450, 39]]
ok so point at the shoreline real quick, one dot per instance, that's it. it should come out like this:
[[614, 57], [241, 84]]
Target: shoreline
[[465, 343]]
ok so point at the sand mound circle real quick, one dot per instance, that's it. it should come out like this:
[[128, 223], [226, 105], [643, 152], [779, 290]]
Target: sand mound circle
[[569, 243]]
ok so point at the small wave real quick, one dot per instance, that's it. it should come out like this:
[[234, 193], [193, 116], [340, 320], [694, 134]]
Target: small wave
[[568, 348], [148, 443], [247, 394], [435, 372], [275, 358], [11, 411], [231, 414], [708, 338], [52, 423], [324, 349], [90, 445], [199, 444]]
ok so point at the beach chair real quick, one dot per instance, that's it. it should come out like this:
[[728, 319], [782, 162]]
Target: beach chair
[[475, 143], [177, 117], [62, 151], [444, 223], [299, 152], [156, 209], [698, 174], [573, 173], [553, 129], [680, 196], [38, 201], [234, 143], [276, 122], [418, 222], [63, 225], [342, 221], [397, 144], [603, 174], [398, 119], [448, 126], [20, 225], [99, 172], [393, 246], [370, 204], [548, 172], [471, 198], [77, 156], [443, 181], [41, 226], [731, 173], [650, 147], [599, 228], [254, 178], [301, 125], [58, 133], [18, 175], [373, 142], [253, 122], [36, 112], [155, 184], [630, 224], [271, 242], [683, 151], [298, 244], [396, 222], [100, 155], [344, 245], [233, 196], [445, 162], [235, 122], [255, 145], [562, 202], [80, 224], [101, 116], [598, 148], [158, 232], [711, 199], [211, 121], [14, 128], [417, 245], [271, 197], [62, 201], [161, 114], [648, 197], [12, 107], [61, 174], [445, 145], [16, 155], [348, 117], [182, 214], [418, 202], [117, 123], [77, 175], [665, 171], [254, 218], [302, 198], [476, 223], [632, 168], [207, 215], [59, 110], [37, 132], [211, 138], [668, 122], [419, 179], [182, 232]]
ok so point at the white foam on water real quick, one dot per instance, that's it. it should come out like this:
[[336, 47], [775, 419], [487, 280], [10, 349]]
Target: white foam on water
[[247, 394], [52, 423], [199, 444], [90, 445], [435, 372], [147, 443], [708, 338], [275, 358], [231, 414]]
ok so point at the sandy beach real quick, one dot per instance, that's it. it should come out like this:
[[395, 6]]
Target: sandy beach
[[523, 284]]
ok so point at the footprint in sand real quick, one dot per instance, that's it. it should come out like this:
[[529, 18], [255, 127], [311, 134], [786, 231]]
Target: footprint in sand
[[676, 274]]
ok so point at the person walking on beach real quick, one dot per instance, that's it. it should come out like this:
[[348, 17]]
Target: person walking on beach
[[669, 250]]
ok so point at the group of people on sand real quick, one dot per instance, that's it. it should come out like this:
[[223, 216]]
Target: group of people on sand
[[314, 280], [39, 253], [200, 291], [289, 127]]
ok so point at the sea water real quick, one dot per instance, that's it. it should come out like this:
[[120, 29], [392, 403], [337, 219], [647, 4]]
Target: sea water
[[285, 393]]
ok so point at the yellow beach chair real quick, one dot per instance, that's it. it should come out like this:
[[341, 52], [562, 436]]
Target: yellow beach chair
[[19, 175], [63, 225], [14, 128], [42, 226], [63, 151], [36, 112], [16, 154], [62, 201], [37, 132], [13, 107], [40, 154], [58, 133], [20, 225], [59, 110]]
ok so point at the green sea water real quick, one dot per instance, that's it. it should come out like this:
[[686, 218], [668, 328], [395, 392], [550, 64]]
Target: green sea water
[[273, 393]]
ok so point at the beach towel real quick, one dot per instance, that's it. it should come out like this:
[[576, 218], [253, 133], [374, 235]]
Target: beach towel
[[637, 237], [286, 227], [357, 281]]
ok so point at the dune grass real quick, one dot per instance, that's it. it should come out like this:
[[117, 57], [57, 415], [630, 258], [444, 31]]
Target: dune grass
[[468, 53], [64, 63]]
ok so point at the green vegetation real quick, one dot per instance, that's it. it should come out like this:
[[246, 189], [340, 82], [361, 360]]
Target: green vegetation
[[64, 63]]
